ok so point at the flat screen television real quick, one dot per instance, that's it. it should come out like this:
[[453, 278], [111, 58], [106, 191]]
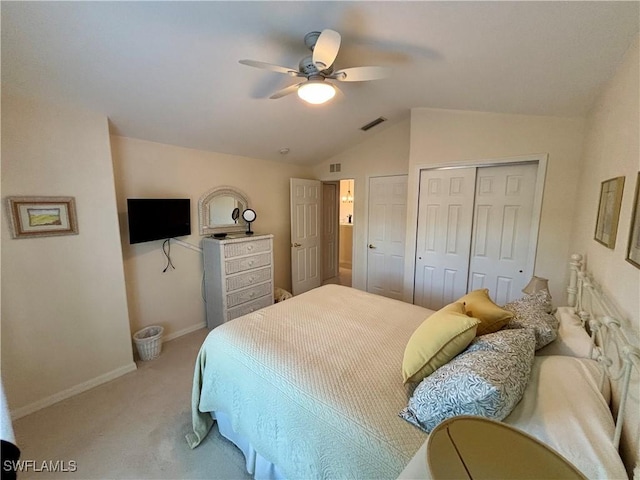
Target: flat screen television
[[158, 218]]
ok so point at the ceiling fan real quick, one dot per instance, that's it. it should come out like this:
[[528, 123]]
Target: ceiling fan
[[318, 68]]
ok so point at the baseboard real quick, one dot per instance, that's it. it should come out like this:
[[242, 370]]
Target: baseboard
[[70, 392], [184, 331]]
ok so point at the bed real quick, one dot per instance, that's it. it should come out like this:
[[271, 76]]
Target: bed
[[311, 388]]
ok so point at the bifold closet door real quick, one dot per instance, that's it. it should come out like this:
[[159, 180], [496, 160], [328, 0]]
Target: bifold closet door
[[445, 219], [474, 231], [502, 225]]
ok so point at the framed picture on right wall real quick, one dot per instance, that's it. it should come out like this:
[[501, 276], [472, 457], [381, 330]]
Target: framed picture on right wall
[[609, 211], [633, 249]]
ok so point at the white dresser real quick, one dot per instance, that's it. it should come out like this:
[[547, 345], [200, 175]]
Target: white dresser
[[238, 276]]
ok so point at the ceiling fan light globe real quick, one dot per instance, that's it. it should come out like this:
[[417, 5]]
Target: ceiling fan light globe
[[316, 93]]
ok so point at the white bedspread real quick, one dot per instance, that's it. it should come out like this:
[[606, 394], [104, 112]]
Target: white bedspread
[[329, 410]]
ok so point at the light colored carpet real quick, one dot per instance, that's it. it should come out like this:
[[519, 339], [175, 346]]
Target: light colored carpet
[[131, 427]]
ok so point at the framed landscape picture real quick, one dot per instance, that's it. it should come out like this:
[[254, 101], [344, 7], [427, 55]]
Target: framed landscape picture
[[609, 211], [633, 249], [42, 216]]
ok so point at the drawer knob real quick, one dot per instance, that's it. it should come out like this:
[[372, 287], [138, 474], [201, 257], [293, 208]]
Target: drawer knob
[[251, 262], [251, 279], [249, 247], [252, 294]]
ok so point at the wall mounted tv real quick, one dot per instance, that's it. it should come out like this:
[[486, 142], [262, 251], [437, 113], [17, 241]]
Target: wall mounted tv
[[158, 218]]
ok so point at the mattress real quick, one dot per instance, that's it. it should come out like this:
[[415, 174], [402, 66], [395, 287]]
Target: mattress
[[327, 410]]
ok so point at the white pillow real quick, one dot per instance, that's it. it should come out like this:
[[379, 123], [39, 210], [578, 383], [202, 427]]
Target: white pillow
[[572, 339], [564, 407]]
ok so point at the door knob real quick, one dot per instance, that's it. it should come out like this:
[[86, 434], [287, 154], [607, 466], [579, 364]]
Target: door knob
[[371, 245], [296, 245]]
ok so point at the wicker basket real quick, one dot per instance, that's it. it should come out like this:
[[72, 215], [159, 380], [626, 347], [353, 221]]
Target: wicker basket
[[149, 342]]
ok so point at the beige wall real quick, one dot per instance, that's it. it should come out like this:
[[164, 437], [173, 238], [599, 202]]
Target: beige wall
[[381, 153], [612, 149], [65, 325], [146, 169], [435, 136], [451, 136]]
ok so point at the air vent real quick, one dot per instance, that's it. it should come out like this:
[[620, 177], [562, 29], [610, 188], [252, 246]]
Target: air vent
[[334, 167], [370, 125]]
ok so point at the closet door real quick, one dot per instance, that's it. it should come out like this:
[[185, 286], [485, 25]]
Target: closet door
[[502, 230], [445, 219], [475, 228]]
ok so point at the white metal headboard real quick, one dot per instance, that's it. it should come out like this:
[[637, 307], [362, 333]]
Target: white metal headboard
[[610, 345]]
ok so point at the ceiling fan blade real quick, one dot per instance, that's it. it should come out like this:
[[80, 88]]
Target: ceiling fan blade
[[361, 74], [285, 91], [269, 66], [326, 49]]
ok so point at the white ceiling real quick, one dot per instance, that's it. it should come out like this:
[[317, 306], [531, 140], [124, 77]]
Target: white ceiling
[[169, 72]]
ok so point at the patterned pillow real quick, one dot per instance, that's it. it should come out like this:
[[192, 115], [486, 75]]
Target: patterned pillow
[[531, 311], [487, 379], [542, 298]]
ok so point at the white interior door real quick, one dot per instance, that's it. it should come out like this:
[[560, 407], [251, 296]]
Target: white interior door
[[445, 218], [306, 203], [330, 194], [386, 238], [502, 230]]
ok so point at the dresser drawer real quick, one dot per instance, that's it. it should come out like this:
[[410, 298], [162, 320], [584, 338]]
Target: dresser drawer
[[246, 248], [250, 307], [247, 263], [247, 279], [243, 296]]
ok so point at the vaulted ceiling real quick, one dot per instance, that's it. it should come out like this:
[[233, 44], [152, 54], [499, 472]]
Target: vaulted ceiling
[[169, 72]]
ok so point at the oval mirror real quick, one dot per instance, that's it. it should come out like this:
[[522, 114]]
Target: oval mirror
[[219, 210]]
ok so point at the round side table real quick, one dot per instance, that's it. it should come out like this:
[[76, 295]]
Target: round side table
[[468, 447]]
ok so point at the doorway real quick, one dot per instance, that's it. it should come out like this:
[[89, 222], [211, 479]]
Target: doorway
[[345, 248], [337, 227]]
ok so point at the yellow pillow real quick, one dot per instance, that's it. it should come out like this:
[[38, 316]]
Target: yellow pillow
[[437, 340], [479, 305]]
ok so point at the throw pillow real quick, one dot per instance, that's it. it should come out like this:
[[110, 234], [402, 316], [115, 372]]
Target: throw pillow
[[479, 305], [436, 341], [530, 311], [487, 379]]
